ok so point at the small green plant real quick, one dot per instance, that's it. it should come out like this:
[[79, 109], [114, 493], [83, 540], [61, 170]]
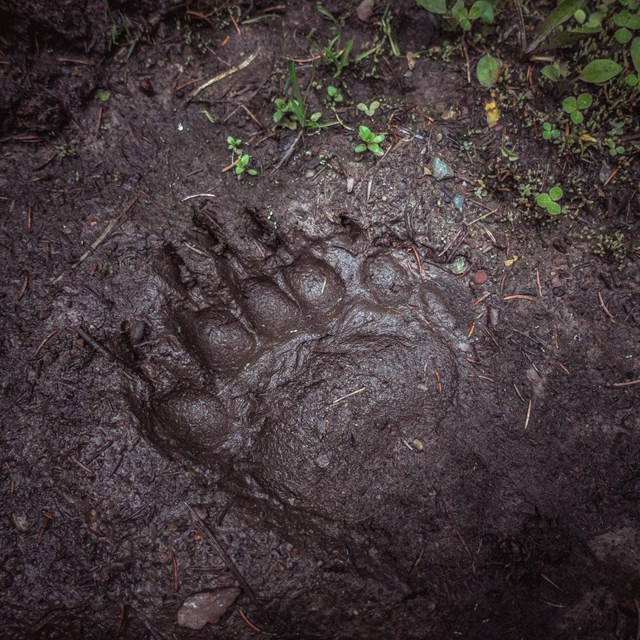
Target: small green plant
[[334, 95], [458, 14], [549, 132], [370, 110], [234, 145], [575, 106], [385, 25], [555, 71], [239, 159], [339, 58], [549, 200], [509, 154], [614, 148], [242, 165], [291, 112], [370, 141]]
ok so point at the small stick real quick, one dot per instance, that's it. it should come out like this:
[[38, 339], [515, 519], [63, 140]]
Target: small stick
[[99, 125], [518, 297], [235, 24], [349, 395], [186, 84], [526, 422], [201, 16], [41, 345], [483, 216], [288, 152], [471, 329], [204, 528], [225, 74], [550, 581], [538, 282], [564, 368], [304, 60], [604, 307], [230, 166], [450, 243], [103, 236], [490, 235], [483, 297], [122, 617], [439, 382], [455, 527], [29, 219], [25, 284], [246, 110], [415, 251], [255, 627], [611, 177], [618, 385], [84, 467], [88, 63], [199, 195]]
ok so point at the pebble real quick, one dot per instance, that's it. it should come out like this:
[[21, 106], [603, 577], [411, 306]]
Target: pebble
[[559, 260], [480, 277], [440, 170], [459, 265], [558, 291], [206, 607], [494, 317], [458, 202], [556, 282], [323, 460]]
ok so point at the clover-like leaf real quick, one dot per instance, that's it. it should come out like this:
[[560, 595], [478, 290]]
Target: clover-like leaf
[[488, 70], [623, 35], [570, 104], [361, 148], [584, 101], [555, 193], [543, 199], [554, 209]]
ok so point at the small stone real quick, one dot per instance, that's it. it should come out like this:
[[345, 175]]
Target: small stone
[[559, 260], [558, 292], [458, 202], [556, 282], [20, 522], [494, 317], [440, 170], [480, 277], [350, 184], [323, 460], [365, 11], [206, 607], [459, 265], [417, 444]]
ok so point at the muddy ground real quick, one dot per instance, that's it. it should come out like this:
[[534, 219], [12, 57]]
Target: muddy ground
[[375, 414]]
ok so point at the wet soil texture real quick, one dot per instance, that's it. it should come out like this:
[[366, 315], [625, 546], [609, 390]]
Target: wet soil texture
[[321, 395]]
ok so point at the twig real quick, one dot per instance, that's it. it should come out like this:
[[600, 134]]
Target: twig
[[630, 383], [201, 16], [41, 345], [103, 236], [604, 307], [349, 395], [526, 422], [255, 627], [25, 284], [226, 558], [288, 152], [518, 297], [225, 74]]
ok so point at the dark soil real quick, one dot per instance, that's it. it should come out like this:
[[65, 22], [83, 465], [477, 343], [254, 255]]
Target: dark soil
[[385, 448]]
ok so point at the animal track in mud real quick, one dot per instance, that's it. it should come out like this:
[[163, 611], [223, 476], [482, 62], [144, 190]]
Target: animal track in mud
[[302, 373]]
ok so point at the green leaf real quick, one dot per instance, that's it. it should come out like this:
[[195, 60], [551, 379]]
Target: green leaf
[[621, 18], [576, 117], [600, 71], [378, 139], [103, 95], [252, 172], [362, 106], [580, 16], [632, 80], [543, 200], [315, 116], [434, 6], [634, 22], [365, 132], [635, 54], [488, 70], [551, 72], [563, 11], [361, 148], [482, 9], [623, 35], [331, 91], [569, 104], [585, 100], [375, 148], [555, 193], [554, 209]]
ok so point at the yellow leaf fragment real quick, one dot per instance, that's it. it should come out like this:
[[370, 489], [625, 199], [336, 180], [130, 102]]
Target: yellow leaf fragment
[[510, 261], [492, 111]]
